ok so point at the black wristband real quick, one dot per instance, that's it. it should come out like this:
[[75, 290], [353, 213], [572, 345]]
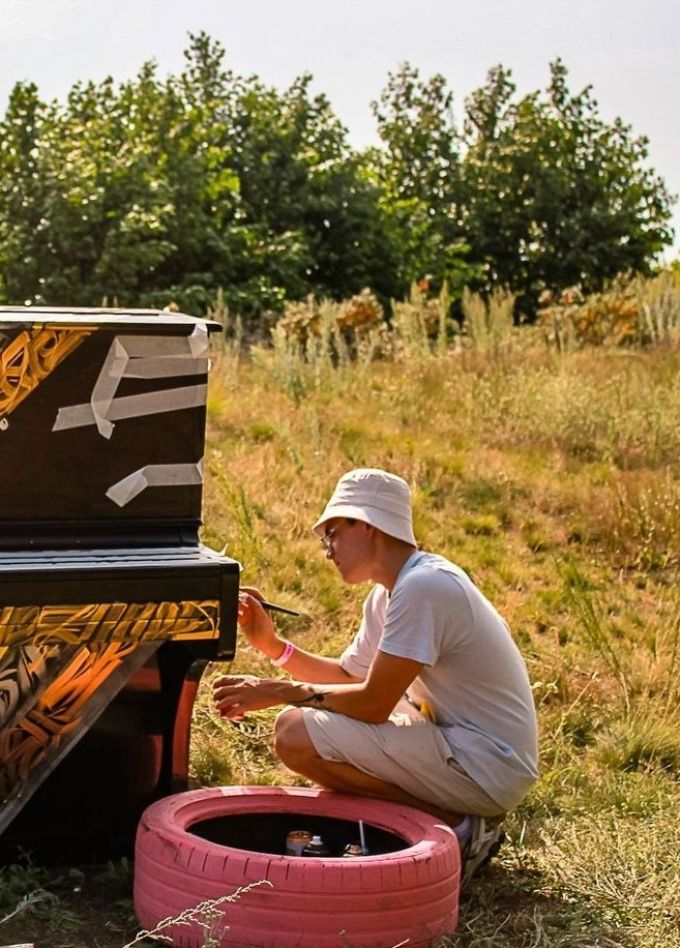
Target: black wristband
[[316, 698]]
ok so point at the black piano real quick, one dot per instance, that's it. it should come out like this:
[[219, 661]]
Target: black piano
[[110, 607]]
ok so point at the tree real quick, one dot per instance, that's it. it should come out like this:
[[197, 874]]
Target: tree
[[530, 194], [419, 171], [21, 195], [554, 196], [110, 183], [157, 191], [307, 193], [164, 190]]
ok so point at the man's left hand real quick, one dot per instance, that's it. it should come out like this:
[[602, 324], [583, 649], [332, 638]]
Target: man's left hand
[[236, 695]]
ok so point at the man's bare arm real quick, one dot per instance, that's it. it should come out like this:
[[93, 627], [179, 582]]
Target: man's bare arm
[[315, 669], [259, 629], [371, 700]]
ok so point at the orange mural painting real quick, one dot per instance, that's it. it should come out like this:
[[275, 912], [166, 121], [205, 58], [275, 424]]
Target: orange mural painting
[[101, 635], [109, 622], [30, 358], [57, 712]]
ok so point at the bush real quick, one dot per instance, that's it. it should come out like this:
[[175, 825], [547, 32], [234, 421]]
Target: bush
[[632, 311]]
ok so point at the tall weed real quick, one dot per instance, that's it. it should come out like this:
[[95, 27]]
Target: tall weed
[[591, 626], [629, 312], [419, 326], [659, 303], [209, 916], [489, 323]]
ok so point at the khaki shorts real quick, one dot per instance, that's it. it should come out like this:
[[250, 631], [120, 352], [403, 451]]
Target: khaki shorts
[[408, 751]]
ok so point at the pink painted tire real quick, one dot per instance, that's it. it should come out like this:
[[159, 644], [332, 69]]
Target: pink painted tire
[[375, 901]]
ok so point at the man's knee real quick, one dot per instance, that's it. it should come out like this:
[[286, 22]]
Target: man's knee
[[291, 740]]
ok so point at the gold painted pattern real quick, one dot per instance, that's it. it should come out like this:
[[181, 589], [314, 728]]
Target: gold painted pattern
[[109, 622], [31, 357], [58, 712], [22, 672]]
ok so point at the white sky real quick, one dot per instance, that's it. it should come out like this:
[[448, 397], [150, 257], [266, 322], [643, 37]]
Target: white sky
[[629, 50]]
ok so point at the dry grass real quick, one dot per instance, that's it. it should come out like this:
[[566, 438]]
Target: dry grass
[[554, 481]]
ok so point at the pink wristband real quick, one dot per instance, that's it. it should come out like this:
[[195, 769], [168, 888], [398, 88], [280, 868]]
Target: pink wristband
[[284, 656]]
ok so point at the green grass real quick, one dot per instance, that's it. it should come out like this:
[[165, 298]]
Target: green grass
[[554, 481], [77, 907]]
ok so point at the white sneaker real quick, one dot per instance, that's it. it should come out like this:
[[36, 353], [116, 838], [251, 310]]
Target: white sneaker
[[481, 846]]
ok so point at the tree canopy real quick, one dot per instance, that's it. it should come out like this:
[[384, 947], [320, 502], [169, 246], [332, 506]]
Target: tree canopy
[[162, 190]]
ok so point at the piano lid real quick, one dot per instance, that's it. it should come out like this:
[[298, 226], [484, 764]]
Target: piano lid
[[102, 419]]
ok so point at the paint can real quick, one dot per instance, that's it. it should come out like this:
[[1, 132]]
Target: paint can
[[315, 847], [296, 841], [352, 850]]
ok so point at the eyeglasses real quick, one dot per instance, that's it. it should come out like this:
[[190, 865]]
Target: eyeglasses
[[327, 539]]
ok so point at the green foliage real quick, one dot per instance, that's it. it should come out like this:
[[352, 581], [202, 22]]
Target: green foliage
[[161, 191], [24, 890], [529, 194], [133, 188], [553, 195], [419, 170]]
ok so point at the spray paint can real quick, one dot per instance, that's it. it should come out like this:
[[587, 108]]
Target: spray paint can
[[296, 841], [315, 847], [352, 850]]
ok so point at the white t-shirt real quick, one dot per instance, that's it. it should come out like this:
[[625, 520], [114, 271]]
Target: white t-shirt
[[474, 677]]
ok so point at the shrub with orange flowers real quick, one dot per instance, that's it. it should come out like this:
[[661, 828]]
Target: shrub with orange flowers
[[631, 311], [355, 316]]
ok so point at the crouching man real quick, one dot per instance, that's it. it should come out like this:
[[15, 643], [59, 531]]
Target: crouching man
[[430, 705]]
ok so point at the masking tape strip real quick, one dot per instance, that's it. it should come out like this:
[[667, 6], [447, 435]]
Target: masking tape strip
[[199, 340], [195, 345], [165, 368], [106, 386], [155, 475], [134, 406], [145, 357]]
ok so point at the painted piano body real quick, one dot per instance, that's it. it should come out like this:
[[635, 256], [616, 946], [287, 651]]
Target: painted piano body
[[110, 608]]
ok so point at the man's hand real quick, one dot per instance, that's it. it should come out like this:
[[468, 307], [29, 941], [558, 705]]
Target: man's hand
[[371, 700], [236, 695], [260, 631], [256, 624]]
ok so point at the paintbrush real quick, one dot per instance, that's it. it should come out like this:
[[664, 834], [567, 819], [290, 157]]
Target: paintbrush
[[273, 607]]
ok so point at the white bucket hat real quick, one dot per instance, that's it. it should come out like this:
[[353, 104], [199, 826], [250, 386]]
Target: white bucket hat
[[372, 496]]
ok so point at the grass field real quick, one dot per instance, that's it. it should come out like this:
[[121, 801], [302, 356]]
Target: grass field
[[553, 479]]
